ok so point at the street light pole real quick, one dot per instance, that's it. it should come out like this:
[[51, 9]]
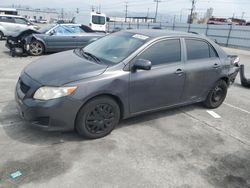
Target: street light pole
[[192, 11], [156, 10], [126, 11]]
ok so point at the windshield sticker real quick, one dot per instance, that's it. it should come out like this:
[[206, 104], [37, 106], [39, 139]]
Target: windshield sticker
[[142, 37]]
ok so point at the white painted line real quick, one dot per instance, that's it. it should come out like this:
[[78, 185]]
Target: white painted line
[[237, 108], [212, 113]]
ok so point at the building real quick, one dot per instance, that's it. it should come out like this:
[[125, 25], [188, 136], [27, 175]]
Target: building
[[38, 14], [132, 19]]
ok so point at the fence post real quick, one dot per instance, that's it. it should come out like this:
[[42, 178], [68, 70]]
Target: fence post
[[207, 29], [189, 27], [229, 34], [108, 26]]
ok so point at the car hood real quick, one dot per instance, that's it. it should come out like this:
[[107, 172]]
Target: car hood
[[61, 68]]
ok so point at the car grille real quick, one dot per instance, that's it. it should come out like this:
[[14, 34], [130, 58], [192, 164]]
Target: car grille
[[24, 88]]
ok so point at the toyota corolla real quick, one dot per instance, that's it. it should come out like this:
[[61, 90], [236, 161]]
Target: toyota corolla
[[122, 75]]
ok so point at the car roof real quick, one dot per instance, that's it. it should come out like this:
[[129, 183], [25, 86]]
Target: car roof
[[69, 24], [10, 15], [154, 33]]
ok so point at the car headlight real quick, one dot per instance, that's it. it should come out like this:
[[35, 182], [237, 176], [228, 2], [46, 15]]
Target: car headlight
[[47, 93]]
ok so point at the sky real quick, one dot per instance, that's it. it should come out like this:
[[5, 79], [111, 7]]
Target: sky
[[222, 8]]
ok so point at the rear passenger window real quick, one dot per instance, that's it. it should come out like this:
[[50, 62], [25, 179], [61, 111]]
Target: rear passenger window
[[197, 49], [212, 52], [162, 52], [6, 19]]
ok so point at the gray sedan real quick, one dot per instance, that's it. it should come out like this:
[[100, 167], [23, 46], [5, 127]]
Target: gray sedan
[[59, 38], [122, 75], [53, 38]]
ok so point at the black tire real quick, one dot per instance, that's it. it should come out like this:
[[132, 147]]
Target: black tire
[[217, 95], [36, 48], [98, 117], [1, 35]]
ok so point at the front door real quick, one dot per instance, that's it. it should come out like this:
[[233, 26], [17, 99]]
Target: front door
[[62, 38], [162, 85]]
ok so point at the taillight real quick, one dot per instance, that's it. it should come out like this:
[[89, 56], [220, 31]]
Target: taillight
[[236, 62]]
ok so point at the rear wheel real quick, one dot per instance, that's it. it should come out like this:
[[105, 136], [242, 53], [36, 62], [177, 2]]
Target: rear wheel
[[216, 95], [98, 118], [36, 48], [1, 35]]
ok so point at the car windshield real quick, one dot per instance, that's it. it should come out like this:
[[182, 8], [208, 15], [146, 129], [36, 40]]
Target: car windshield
[[113, 48], [46, 28]]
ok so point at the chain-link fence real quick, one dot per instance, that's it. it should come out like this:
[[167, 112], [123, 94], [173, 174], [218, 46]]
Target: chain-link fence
[[225, 35]]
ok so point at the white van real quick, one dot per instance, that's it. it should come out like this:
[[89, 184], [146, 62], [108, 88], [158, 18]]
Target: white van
[[11, 25], [97, 21]]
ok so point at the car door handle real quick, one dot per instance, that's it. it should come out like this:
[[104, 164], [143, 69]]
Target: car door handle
[[74, 37], [179, 71], [216, 65]]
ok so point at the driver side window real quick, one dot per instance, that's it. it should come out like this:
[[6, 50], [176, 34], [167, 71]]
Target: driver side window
[[163, 52], [62, 31]]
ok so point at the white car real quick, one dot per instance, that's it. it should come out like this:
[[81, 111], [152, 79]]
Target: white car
[[11, 25]]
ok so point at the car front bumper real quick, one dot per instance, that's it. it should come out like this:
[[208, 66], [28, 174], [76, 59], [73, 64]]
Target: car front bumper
[[53, 115]]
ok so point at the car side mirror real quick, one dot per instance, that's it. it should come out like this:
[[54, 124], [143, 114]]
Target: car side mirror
[[142, 64], [51, 32]]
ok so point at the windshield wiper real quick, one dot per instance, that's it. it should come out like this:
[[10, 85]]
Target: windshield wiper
[[96, 59]]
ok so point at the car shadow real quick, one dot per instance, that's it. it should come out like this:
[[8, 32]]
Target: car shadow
[[149, 116], [21, 131]]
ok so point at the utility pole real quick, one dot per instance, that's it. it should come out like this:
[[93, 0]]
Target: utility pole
[[148, 13], [62, 14], [156, 10], [126, 11], [191, 19], [99, 8], [242, 15]]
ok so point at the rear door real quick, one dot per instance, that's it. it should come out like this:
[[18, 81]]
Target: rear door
[[8, 24], [82, 37], [203, 68], [162, 85]]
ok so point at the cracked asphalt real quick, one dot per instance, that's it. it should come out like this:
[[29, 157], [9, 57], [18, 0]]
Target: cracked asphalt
[[184, 147]]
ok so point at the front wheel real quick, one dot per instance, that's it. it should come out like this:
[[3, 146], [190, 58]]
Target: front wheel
[[98, 118], [36, 48], [216, 95]]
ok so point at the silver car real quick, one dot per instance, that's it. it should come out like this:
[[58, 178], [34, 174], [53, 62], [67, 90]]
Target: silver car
[[11, 25]]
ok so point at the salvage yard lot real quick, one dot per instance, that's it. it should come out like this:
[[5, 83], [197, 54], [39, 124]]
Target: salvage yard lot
[[183, 147]]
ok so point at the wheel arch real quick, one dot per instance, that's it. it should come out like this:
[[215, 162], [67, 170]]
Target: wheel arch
[[226, 79], [112, 96], [38, 39]]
